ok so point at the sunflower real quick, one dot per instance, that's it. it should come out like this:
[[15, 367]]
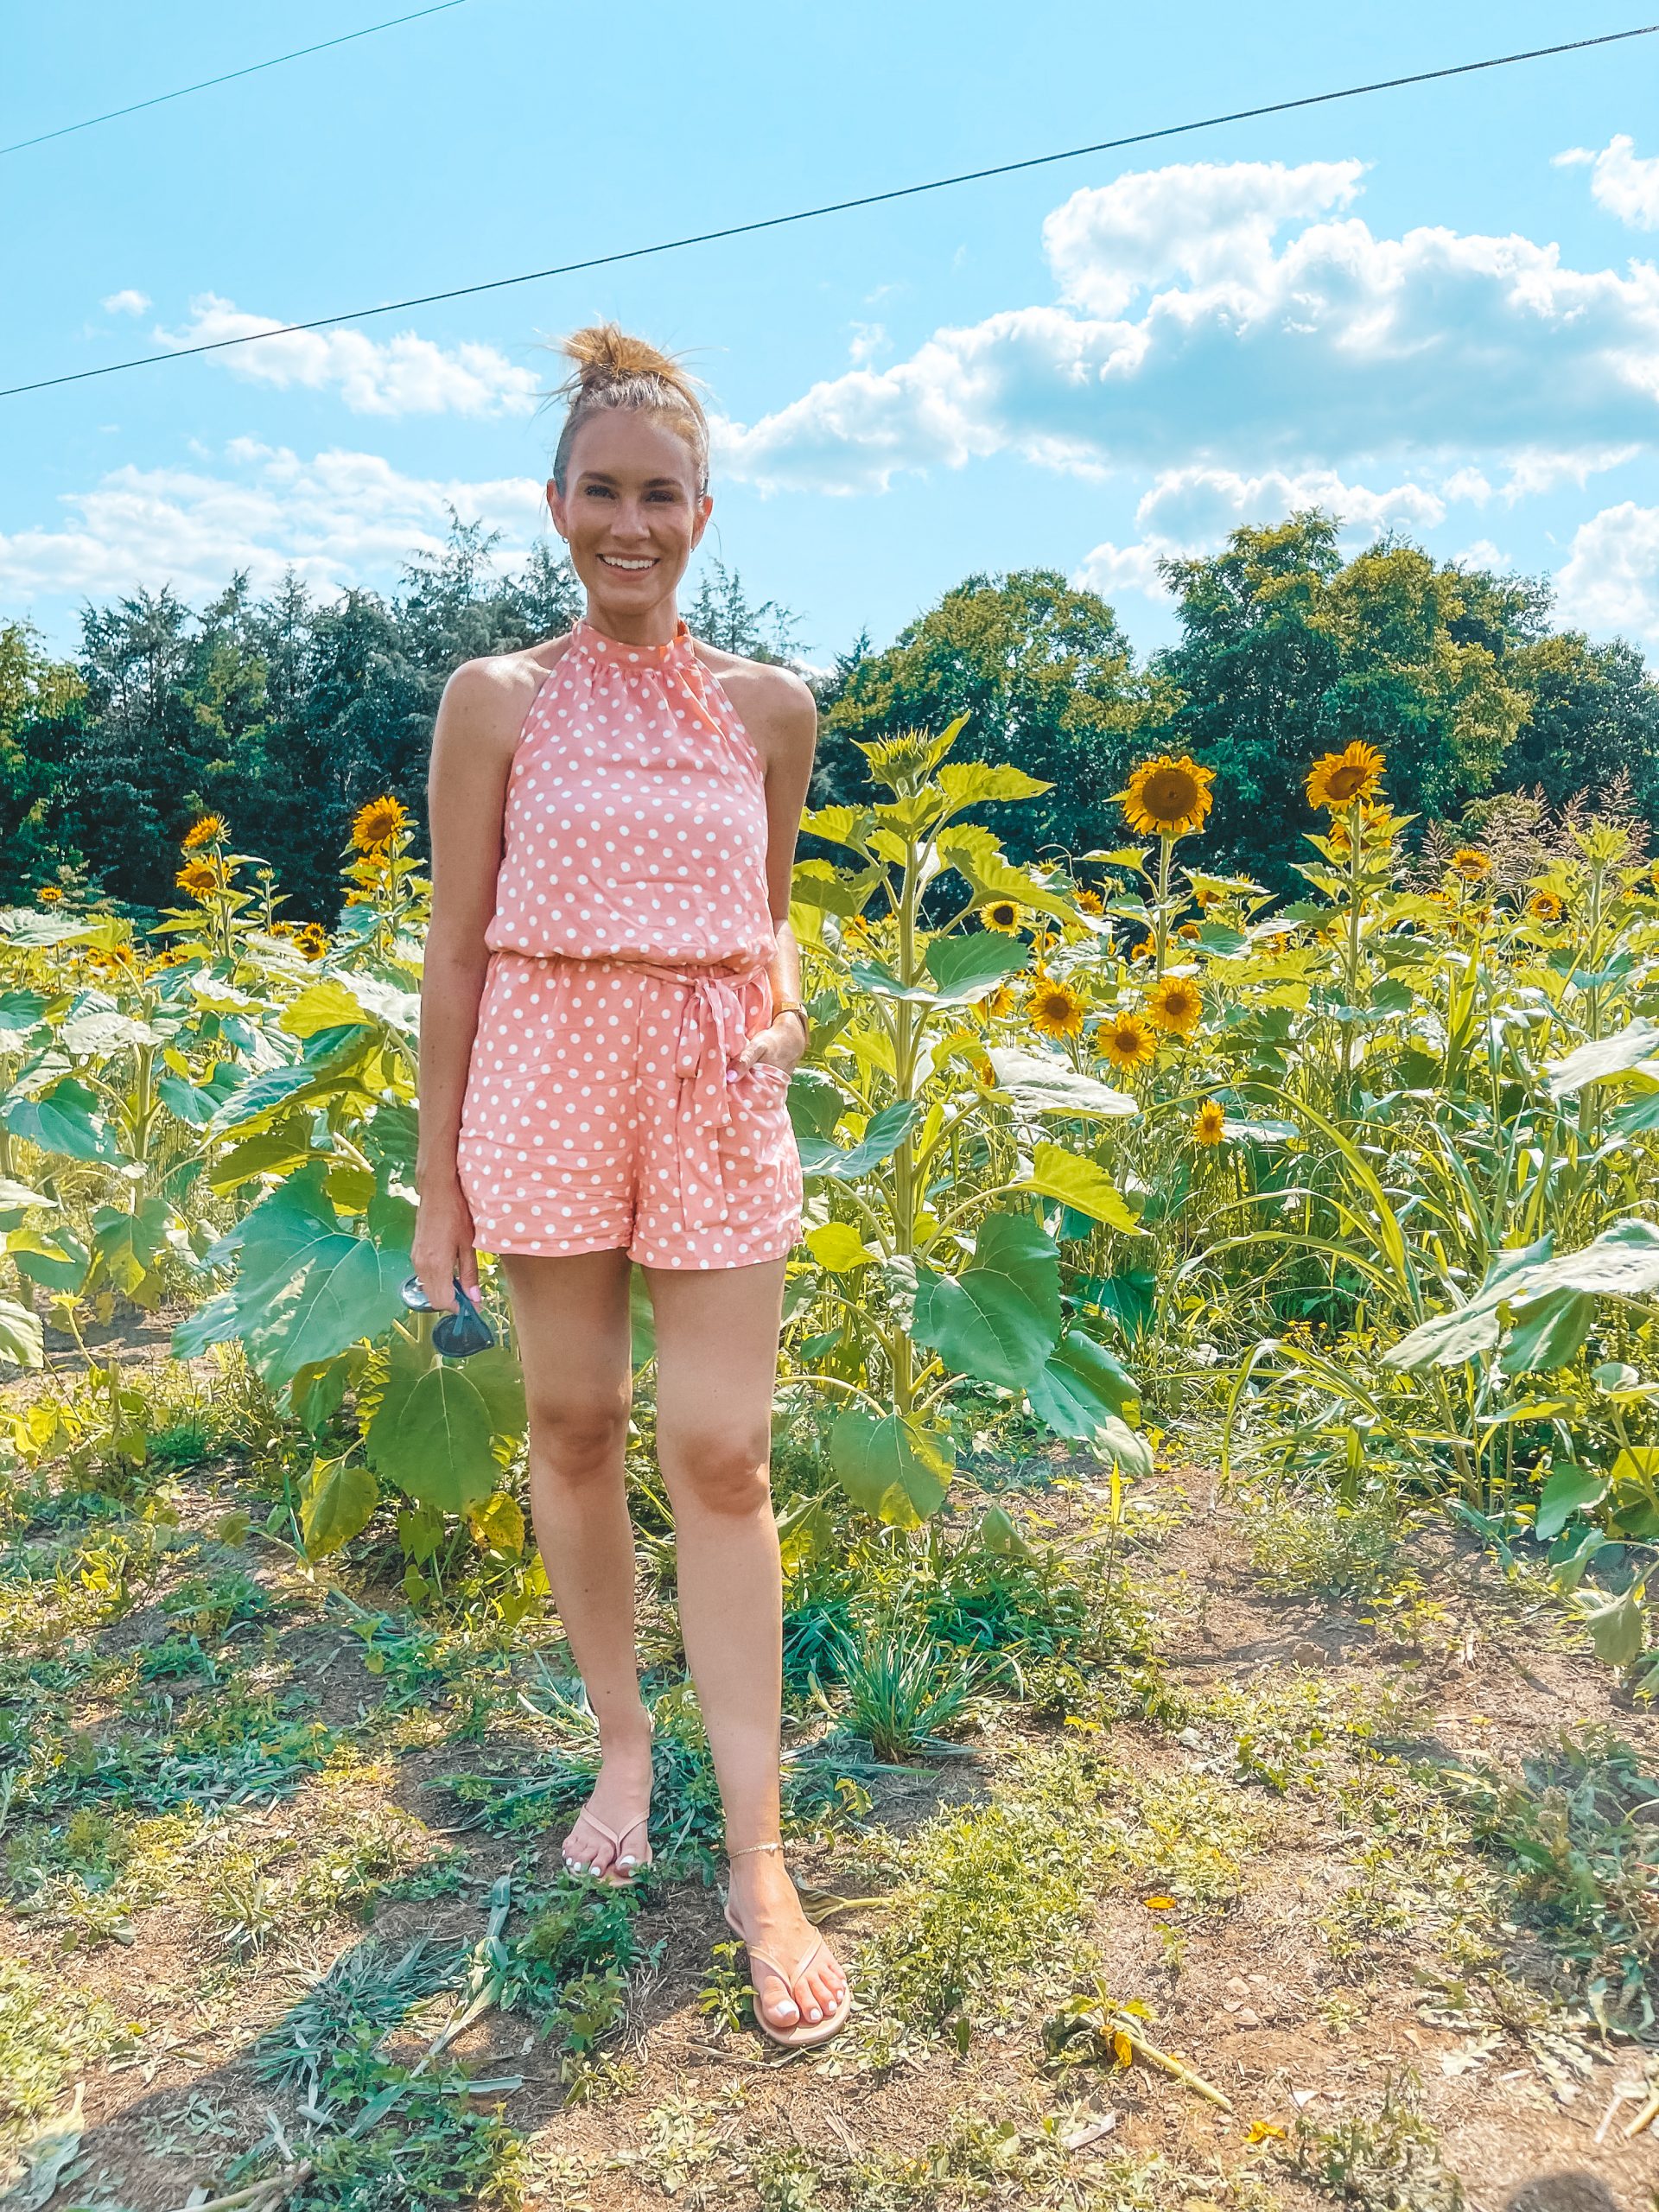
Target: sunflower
[[1168, 796], [998, 1003], [1175, 1003], [312, 939], [49, 894], [1055, 1009], [1004, 914], [1336, 780], [1126, 1041], [1090, 902], [1209, 1124], [1546, 907], [378, 823], [1191, 931], [1471, 863], [200, 878], [209, 831], [1144, 950]]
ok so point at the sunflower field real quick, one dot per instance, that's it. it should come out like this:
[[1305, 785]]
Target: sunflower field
[[1361, 1184]]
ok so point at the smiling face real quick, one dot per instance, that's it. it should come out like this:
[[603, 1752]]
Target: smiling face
[[632, 514]]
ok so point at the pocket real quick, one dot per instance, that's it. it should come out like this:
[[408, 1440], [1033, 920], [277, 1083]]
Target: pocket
[[776, 1078]]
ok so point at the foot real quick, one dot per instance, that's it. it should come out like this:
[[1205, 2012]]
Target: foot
[[619, 1803], [764, 1902]]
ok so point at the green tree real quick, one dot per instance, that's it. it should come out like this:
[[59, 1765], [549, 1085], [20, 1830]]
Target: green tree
[[1044, 674], [1286, 652], [41, 703]]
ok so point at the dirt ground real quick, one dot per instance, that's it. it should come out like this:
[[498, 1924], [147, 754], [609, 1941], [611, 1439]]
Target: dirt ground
[[1526, 2107]]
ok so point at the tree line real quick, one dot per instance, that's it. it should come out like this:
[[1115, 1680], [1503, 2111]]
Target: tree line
[[285, 714]]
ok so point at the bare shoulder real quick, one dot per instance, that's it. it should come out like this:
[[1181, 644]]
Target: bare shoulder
[[487, 699], [775, 705]]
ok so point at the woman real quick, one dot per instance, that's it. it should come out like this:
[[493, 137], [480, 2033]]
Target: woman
[[610, 1014]]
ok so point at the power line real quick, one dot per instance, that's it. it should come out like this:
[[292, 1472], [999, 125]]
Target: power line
[[829, 208], [230, 76]]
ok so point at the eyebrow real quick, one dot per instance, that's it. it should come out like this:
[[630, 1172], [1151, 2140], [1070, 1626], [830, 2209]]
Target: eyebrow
[[604, 476]]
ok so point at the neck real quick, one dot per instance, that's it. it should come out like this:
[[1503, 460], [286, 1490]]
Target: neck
[[635, 626]]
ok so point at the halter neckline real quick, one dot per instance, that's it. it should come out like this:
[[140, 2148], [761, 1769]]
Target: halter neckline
[[680, 647]]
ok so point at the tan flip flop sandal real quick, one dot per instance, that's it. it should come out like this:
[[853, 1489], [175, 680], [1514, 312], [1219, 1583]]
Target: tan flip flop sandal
[[611, 1837], [805, 2032]]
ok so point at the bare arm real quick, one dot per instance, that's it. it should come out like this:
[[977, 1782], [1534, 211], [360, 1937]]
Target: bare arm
[[472, 755], [782, 716]]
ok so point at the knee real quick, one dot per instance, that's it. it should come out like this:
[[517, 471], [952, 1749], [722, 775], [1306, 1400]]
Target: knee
[[719, 1469], [578, 1439]]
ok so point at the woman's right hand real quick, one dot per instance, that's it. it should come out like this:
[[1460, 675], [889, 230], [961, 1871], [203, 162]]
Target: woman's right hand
[[443, 1245]]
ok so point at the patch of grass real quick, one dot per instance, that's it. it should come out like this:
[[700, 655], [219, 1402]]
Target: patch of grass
[[1575, 1834], [1387, 2161], [203, 1607], [48, 2033], [1186, 1834], [995, 1904], [1327, 1546], [902, 1690]]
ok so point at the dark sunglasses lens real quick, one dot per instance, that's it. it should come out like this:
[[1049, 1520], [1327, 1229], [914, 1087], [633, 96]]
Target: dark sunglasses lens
[[461, 1333]]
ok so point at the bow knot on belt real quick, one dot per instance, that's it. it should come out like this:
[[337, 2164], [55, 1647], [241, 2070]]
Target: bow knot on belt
[[712, 1033]]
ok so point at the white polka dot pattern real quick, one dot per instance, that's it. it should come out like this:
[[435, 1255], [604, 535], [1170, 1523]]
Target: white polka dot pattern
[[628, 964]]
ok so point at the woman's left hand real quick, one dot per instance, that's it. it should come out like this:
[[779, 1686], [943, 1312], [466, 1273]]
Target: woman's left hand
[[782, 1045]]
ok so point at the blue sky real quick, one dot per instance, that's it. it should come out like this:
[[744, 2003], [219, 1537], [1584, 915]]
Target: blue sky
[[1408, 307]]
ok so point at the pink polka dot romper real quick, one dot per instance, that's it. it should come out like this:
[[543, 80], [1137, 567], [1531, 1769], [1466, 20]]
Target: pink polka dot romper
[[628, 955]]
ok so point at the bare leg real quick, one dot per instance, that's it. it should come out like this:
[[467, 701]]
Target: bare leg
[[571, 1314], [717, 1365]]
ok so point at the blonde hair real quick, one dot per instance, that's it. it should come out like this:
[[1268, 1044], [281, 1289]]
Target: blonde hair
[[613, 369]]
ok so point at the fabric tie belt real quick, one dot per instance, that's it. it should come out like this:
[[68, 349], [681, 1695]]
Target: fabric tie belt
[[713, 1031]]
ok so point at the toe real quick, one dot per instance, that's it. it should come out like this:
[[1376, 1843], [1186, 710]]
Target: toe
[[777, 2004], [825, 1984]]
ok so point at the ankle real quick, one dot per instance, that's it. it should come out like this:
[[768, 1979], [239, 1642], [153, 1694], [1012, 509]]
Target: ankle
[[627, 1736]]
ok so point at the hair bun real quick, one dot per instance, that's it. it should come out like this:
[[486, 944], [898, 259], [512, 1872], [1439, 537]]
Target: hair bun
[[606, 355]]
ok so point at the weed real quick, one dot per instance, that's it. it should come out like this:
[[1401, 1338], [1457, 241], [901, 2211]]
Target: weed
[[1387, 2161], [48, 2032], [1332, 1547], [1576, 1833], [903, 1690], [569, 1968]]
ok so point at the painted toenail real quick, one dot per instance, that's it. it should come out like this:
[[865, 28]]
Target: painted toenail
[[813, 2013]]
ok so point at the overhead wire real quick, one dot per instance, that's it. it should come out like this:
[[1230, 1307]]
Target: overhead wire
[[229, 77], [828, 207]]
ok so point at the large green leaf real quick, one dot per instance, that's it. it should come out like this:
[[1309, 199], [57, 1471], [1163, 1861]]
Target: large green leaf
[[57, 1262], [967, 966], [1468, 1330], [1044, 1083], [890, 1465], [1607, 1056], [1548, 1332], [433, 1440], [1081, 1386], [336, 1504], [975, 783], [1617, 1629], [1000, 1318], [129, 1242], [22, 1341], [64, 1119], [100, 1030], [874, 975], [1567, 1491], [21, 1196], [991, 877], [1084, 1185], [883, 1134], [1622, 1262], [306, 1288]]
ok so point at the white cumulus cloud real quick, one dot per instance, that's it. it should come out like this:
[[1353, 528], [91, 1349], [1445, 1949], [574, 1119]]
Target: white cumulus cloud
[[336, 519], [1210, 222], [1188, 510], [1611, 578], [1621, 181], [401, 375], [1326, 347], [127, 302]]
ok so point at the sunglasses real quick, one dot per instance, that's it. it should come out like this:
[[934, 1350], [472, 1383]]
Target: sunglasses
[[456, 1335]]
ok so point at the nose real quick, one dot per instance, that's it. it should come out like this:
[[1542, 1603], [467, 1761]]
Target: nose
[[630, 520]]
